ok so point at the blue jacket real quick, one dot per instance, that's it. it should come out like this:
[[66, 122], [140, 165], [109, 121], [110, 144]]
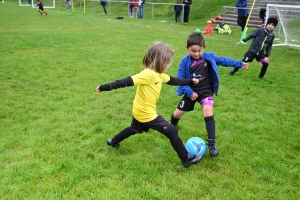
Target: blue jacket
[[242, 4], [185, 72]]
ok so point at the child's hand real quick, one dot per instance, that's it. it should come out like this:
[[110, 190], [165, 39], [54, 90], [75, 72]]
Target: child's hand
[[98, 89], [194, 96], [195, 80], [245, 65], [240, 42]]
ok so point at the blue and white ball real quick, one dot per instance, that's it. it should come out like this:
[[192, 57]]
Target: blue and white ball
[[195, 146]]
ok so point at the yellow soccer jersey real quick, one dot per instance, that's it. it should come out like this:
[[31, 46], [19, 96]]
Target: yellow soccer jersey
[[149, 85]]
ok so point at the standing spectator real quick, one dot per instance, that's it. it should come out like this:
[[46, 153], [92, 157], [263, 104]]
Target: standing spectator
[[103, 3], [141, 8], [68, 4], [130, 8], [262, 15], [186, 10], [177, 9], [134, 7], [242, 13], [40, 8]]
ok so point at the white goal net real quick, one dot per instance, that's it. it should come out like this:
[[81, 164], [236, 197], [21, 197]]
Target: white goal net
[[33, 3], [287, 32]]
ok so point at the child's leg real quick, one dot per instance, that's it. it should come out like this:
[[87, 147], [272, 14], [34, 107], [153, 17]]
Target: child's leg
[[265, 64], [176, 116], [125, 133], [210, 128], [207, 104], [177, 144], [40, 11], [248, 57], [185, 104], [46, 13], [263, 70]]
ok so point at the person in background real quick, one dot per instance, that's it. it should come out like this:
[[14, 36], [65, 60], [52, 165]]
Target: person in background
[[204, 66], [177, 9], [261, 46], [186, 10], [130, 8], [103, 4], [242, 13], [134, 7], [141, 8], [40, 8], [149, 83], [262, 15], [68, 4]]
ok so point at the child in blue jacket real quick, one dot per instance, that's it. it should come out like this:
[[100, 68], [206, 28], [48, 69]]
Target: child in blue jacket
[[203, 66]]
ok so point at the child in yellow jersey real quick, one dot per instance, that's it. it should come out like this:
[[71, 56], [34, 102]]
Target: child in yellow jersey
[[149, 83]]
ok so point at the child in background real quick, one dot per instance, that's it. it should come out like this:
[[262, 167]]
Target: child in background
[[134, 6], [40, 8], [261, 46], [149, 83], [177, 9], [203, 66]]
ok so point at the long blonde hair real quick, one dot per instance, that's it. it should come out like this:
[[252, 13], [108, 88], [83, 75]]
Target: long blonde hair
[[158, 57]]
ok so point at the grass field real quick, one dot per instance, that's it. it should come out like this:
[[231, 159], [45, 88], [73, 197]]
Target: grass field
[[54, 125]]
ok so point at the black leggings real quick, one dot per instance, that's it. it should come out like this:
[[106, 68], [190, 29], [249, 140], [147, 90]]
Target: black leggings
[[175, 140]]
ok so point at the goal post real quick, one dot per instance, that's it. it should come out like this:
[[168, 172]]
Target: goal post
[[33, 3], [287, 31], [25, 2]]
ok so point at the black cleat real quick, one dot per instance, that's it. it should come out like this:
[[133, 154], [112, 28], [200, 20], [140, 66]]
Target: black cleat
[[213, 150], [231, 72], [192, 159], [110, 142]]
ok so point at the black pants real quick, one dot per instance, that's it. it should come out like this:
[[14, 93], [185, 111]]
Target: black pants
[[186, 13], [159, 124], [242, 20]]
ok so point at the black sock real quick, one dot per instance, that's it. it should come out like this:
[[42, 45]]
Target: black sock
[[174, 121], [263, 69], [211, 129], [235, 69]]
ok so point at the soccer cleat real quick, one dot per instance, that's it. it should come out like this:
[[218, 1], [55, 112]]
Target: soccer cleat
[[231, 72], [213, 150], [192, 159], [111, 143]]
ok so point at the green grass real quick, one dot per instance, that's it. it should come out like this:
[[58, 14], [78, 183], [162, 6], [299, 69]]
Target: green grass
[[54, 126]]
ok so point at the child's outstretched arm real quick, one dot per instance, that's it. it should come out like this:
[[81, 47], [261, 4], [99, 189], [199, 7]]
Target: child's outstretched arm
[[125, 82], [182, 81]]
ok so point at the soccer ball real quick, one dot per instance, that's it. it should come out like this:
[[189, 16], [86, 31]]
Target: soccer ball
[[195, 146]]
